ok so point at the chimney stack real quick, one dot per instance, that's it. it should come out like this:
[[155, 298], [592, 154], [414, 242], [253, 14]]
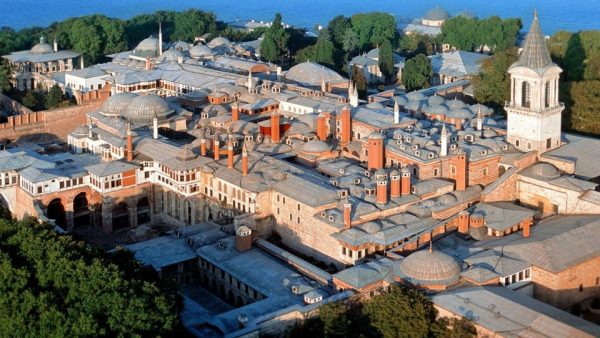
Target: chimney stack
[[216, 147], [275, 133], [463, 222], [129, 143], [376, 151], [347, 214], [526, 228], [461, 172], [346, 125], [405, 181], [244, 160], [395, 188], [235, 113], [382, 197], [230, 154], [322, 127], [243, 239]]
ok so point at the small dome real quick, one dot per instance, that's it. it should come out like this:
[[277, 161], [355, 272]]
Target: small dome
[[415, 96], [414, 105], [438, 109], [401, 99], [371, 227], [200, 51], [394, 172], [143, 109], [544, 169], [435, 100], [42, 47], [425, 267], [117, 104], [316, 146], [219, 41], [460, 113], [437, 14], [447, 199], [181, 46], [455, 104], [171, 55]]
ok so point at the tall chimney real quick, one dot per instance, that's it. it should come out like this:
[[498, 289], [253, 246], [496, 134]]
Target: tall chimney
[[479, 120], [463, 222], [461, 172], [216, 147], [444, 141], [347, 214], [55, 45], [275, 133], [396, 111], [526, 228], [376, 150], [155, 128], [235, 113], [147, 65], [230, 154], [244, 160], [382, 197], [322, 127], [395, 188], [203, 146], [405, 181], [81, 63], [346, 125], [129, 143]]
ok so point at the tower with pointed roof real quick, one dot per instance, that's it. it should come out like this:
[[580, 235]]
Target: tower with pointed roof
[[534, 112]]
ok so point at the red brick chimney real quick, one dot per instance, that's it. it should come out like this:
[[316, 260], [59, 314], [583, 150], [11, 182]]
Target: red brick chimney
[[526, 228], [346, 125], [405, 181], [321, 127], [463, 222], [382, 196], [347, 214], [395, 188], [235, 113], [244, 160], [203, 146], [129, 143], [275, 133], [461, 172], [243, 239], [230, 154], [375, 144], [216, 148]]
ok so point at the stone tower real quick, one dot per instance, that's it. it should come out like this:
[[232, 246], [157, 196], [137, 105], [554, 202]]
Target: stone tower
[[534, 113]]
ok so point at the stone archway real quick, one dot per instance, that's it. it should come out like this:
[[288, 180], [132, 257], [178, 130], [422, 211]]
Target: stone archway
[[56, 211], [4, 208], [120, 216], [81, 211], [143, 211]]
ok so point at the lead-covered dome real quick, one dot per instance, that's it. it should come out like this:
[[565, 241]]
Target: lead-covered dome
[[315, 147], [42, 47], [437, 14], [429, 268], [143, 109], [148, 46], [544, 169], [117, 104], [312, 74], [171, 55], [199, 50]]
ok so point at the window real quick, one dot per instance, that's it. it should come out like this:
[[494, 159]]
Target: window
[[435, 172], [485, 171], [528, 146], [597, 280], [517, 143], [580, 287], [527, 273], [547, 95], [453, 169], [525, 94], [548, 143]]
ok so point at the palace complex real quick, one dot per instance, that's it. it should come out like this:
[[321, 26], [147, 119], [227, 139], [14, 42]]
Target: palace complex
[[253, 169]]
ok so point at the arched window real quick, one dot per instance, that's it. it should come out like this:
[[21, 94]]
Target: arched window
[[547, 95], [525, 94]]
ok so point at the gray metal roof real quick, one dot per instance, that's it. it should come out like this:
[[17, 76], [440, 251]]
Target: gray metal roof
[[162, 252], [110, 168], [583, 151], [535, 54]]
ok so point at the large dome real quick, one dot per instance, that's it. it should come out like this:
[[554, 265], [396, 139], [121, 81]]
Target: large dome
[[429, 268], [437, 14], [42, 47], [200, 51], [544, 169], [181, 46], [311, 74], [117, 104], [315, 147], [171, 55], [148, 46], [219, 41], [143, 109]]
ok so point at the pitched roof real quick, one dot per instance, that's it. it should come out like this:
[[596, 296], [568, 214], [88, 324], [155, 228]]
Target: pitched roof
[[535, 54]]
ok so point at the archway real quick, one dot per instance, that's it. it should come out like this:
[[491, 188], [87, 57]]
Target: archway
[[56, 211], [143, 211], [120, 216], [4, 208], [81, 212]]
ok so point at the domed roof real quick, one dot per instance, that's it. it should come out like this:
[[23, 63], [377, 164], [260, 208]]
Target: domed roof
[[181, 46], [414, 105], [455, 104], [371, 227], [316, 146], [438, 109], [435, 99], [149, 44], [415, 96], [430, 267], [311, 74], [436, 14], [200, 51], [460, 113], [143, 109], [545, 170], [219, 41], [42, 47], [171, 55], [117, 104], [466, 14]]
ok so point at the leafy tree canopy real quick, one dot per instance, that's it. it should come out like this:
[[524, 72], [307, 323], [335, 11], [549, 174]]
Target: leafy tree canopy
[[492, 84], [472, 34], [373, 28], [417, 72], [275, 41]]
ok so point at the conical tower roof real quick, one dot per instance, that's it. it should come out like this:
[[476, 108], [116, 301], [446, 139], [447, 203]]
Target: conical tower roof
[[535, 54]]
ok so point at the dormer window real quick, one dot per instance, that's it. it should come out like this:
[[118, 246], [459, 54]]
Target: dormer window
[[415, 147], [505, 147], [370, 191], [323, 214], [357, 181], [453, 147], [417, 153], [330, 218], [342, 170], [367, 173], [484, 152], [408, 139], [430, 155], [334, 183], [469, 138]]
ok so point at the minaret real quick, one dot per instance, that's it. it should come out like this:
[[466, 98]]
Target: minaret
[[350, 89], [129, 143], [323, 84], [160, 39], [479, 120], [249, 83], [55, 45], [534, 112], [444, 141], [354, 97], [396, 111]]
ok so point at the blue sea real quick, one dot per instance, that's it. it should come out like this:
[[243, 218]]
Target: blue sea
[[555, 15]]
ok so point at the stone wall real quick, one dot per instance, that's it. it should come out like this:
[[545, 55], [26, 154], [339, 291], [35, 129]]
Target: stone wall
[[13, 105]]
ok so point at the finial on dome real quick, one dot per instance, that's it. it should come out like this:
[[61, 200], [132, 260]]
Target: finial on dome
[[535, 14]]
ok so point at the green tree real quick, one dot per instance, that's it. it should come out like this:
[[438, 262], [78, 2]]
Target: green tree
[[192, 23], [492, 84], [274, 44], [583, 113], [324, 49], [417, 72], [470, 34], [360, 82], [386, 59], [5, 76], [55, 97], [338, 27], [373, 28], [29, 100], [350, 40], [86, 37]]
